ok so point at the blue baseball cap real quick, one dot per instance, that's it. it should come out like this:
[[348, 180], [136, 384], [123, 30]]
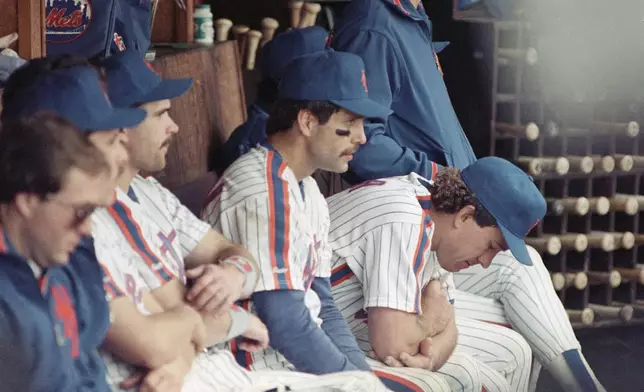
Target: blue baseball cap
[[131, 81], [275, 55], [510, 196], [337, 77], [76, 94]]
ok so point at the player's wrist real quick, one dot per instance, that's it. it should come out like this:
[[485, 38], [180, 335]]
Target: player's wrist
[[239, 321], [245, 268]]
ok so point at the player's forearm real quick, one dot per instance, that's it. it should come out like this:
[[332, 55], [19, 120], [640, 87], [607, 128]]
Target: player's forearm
[[295, 335], [155, 340], [444, 344]]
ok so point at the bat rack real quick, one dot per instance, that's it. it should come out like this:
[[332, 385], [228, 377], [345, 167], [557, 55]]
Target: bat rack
[[583, 154]]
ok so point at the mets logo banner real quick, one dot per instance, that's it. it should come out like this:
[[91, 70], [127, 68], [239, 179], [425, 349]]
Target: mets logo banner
[[78, 26]]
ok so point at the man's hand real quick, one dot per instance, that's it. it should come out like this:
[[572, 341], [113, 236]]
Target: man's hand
[[215, 288], [255, 336], [425, 359], [437, 311], [167, 378]]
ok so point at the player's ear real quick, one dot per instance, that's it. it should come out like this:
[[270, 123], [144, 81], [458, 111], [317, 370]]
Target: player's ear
[[464, 215], [26, 204], [307, 122]]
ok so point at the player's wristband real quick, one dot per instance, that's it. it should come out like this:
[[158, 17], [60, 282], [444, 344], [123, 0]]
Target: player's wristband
[[239, 320], [246, 267]]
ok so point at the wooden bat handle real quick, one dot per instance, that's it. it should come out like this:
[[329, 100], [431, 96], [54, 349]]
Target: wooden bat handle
[[222, 28], [632, 274], [550, 245], [604, 312], [581, 164], [624, 203], [296, 11], [536, 165], [508, 55], [599, 205], [309, 14], [252, 43], [630, 129], [575, 205], [578, 242], [603, 241], [269, 26], [529, 131], [578, 280], [605, 164], [239, 34], [613, 278], [585, 316], [624, 162]]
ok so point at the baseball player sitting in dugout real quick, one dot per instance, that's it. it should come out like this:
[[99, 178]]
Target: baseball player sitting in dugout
[[267, 202], [53, 319], [274, 56], [395, 243], [146, 240]]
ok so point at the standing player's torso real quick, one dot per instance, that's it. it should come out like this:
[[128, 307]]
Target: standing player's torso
[[421, 101]]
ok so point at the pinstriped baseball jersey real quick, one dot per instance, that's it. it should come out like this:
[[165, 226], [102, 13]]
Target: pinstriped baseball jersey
[[381, 233], [259, 204]]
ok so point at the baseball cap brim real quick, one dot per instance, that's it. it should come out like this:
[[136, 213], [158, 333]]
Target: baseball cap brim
[[167, 89], [517, 246], [364, 107], [117, 119]]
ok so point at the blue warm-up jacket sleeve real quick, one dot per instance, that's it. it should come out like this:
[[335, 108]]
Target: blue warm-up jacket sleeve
[[29, 361], [336, 327], [295, 335], [382, 156]]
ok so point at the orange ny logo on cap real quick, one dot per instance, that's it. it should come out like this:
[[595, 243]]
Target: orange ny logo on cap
[[533, 226], [363, 79]]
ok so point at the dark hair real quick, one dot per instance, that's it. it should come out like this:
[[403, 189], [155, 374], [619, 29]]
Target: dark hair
[[266, 93], [450, 195], [36, 152], [285, 112], [25, 76]]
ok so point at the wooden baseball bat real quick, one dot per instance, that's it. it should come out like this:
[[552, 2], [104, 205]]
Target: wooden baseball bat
[[507, 56], [605, 164], [252, 43], [624, 203], [605, 312], [599, 205], [575, 241], [269, 26], [584, 317], [555, 207], [623, 240], [639, 239], [577, 280], [222, 29], [239, 34], [603, 241], [630, 129], [632, 274], [638, 310], [296, 11], [573, 205], [580, 164], [309, 15], [536, 165], [612, 278], [528, 131], [624, 162], [550, 245]]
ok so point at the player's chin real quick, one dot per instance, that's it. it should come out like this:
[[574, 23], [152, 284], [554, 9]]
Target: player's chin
[[340, 166]]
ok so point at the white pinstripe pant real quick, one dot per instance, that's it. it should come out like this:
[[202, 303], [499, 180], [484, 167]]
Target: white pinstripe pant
[[521, 297]]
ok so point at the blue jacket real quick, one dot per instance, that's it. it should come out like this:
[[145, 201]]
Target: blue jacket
[[243, 138], [97, 27], [49, 329], [395, 42]]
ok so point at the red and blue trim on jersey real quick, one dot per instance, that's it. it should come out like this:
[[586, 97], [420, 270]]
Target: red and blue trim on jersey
[[421, 248], [122, 215], [397, 383], [279, 216], [243, 358], [340, 273]]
